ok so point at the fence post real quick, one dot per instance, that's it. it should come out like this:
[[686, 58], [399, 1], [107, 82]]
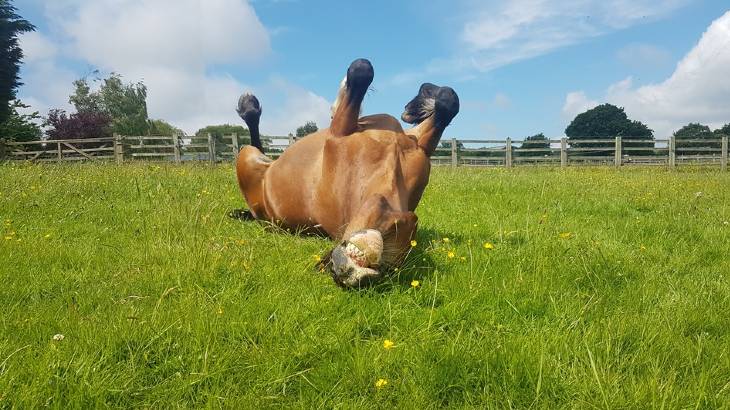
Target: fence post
[[59, 155], [672, 151], [617, 152], [211, 148], [3, 149], [118, 148], [508, 153], [454, 155], [723, 160], [176, 146], [234, 144], [563, 152]]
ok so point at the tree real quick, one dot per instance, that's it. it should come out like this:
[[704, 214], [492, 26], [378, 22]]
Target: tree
[[11, 55], [535, 142], [161, 127], [724, 131], [80, 125], [691, 136], [218, 131], [309, 127], [607, 121], [125, 104], [21, 127]]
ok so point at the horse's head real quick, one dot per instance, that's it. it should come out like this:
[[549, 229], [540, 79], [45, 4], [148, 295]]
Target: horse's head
[[362, 258]]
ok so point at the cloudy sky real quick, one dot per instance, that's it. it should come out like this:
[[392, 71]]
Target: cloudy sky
[[520, 67]]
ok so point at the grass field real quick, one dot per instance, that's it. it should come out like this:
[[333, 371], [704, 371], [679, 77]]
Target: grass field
[[604, 289]]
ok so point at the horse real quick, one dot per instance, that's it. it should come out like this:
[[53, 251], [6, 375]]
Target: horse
[[358, 181]]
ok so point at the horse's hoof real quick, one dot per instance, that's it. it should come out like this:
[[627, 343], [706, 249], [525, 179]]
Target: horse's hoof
[[359, 76], [447, 106]]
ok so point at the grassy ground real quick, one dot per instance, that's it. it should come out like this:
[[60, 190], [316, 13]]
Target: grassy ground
[[604, 289]]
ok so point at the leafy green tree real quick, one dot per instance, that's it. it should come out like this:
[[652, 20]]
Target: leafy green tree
[[21, 127], [725, 130], [11, 55], [126, 104], [218, 131], [308, 128], [537, 141], [161, 127], [607, 121], [692, 135]]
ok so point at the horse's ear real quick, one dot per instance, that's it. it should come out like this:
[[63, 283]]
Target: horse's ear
[[422, 105]]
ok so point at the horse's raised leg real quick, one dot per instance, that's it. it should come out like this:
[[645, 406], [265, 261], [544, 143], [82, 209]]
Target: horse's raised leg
[[252, 164], [346, 109], [432, 111]]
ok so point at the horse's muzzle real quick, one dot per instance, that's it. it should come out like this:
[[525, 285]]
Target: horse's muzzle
[[356, 261]]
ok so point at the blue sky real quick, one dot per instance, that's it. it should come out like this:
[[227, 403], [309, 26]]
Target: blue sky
[[520, 67]]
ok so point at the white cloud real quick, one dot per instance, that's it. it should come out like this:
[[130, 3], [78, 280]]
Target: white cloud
[[496, 34], [501, 33], [697, 91], [176, 47], [576, 103], [36, 47]]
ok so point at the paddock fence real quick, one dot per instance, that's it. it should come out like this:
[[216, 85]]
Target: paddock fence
[[454, 152]]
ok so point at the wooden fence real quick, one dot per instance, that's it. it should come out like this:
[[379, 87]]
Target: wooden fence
[[455, 152]]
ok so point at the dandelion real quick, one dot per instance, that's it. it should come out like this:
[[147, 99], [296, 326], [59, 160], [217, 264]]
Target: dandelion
[[642, 248], [381, 383], [451, 254], [415, 283], [446, 240], [413, 244], [317, 258], [220, 310], [565, 235], [488, 245], [388, 344]]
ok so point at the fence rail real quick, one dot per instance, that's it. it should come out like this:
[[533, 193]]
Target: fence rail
[[455, 152]]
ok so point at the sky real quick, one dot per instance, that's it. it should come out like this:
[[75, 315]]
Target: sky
[[520, 67]]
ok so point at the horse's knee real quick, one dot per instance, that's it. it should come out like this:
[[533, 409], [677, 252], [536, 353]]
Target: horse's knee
[[251, 167]]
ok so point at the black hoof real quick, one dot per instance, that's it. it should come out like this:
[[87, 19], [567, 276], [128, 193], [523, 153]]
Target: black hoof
[[359, 77], [421, 106], [447, 106], [249, 108]]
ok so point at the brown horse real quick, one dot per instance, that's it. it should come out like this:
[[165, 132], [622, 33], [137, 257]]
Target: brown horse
[[359, 181]]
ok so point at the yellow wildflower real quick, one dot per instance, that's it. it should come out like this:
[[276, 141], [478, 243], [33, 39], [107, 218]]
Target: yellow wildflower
[[220, 311], [48, 235], [642, 248], [413, 244], [381, 383], [451, 254], [388, 344], [317, 258], [446, 240], [488, 245], [566, 235], [415, 283]]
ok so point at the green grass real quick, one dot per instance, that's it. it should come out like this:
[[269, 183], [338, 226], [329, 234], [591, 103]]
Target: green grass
[[605, 289]]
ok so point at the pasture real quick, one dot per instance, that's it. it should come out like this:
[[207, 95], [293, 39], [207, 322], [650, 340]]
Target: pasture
[[537, 288]]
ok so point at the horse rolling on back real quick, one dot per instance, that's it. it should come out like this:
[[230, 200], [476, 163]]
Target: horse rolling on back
[[358, 181]]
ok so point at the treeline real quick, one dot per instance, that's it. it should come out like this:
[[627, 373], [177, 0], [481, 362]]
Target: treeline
[[595, 131]]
